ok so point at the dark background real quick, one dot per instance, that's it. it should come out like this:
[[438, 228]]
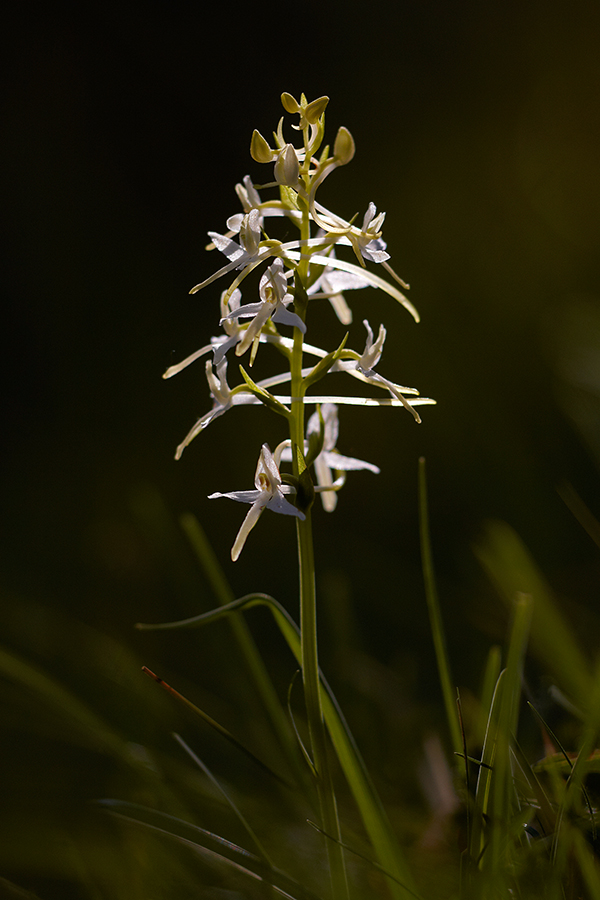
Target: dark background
[[125, 128]]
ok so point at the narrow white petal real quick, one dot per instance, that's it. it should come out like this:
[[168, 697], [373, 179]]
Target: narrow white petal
[[374, 280], [357, 401], [348, 464], [173, 370], [248, 524], [240, 496]]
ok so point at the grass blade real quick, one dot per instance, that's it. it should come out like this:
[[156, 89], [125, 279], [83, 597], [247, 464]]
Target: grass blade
[[374, 817], [435, 616]]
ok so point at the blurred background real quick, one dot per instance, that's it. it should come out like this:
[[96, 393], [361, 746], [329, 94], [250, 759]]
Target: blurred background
[[125, 129]]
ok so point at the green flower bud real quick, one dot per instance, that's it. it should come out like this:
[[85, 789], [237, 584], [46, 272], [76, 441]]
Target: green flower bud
[[343, 149], [315, 110], [287, 168], [259, 148], [289, 103]]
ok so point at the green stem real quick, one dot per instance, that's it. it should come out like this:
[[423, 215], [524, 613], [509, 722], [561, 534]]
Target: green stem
[[314, 710], [308, 615]]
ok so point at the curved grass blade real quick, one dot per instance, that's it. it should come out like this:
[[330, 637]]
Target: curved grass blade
[[588, 864], [570, 766], [502, 779], [301, 744], [197, 838], [374, 817], [216, 577], [94, 730], [364, 857], [579, 771], [241, 818]]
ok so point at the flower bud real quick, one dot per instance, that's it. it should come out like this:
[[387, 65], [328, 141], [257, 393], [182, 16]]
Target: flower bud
[[259, 149], [287, 168], [250, 232], [343, 149], [315, 110], [289, 103]]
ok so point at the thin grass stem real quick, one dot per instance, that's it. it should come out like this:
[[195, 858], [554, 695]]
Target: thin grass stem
[[435, 616]]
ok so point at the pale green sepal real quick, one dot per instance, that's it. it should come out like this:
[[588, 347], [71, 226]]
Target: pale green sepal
[[289, 197]]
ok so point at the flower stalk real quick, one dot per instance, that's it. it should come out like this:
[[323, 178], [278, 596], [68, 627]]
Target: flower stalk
[[299, 274]]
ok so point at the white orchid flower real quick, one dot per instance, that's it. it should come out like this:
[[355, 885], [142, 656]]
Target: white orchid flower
[[245, 255], [329, 459], [269, 494], [370, 357], [223, 399], [248, 195], [274, 299], [367, 242]]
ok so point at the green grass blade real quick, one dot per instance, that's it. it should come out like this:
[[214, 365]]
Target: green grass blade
[[224, 595], [588, 864], [511, 567], [230, 802], [484, 777], [502, 780], [490, 677], [575, 783], [203, 841], [374, 817], [435, 616]]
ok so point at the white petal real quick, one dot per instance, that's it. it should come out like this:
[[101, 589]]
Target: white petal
[[200, 425], [240, 496], [284, 317], [248, 524], [373, 279], [347, 463], [232, 251], [279, 504], [173, 370]]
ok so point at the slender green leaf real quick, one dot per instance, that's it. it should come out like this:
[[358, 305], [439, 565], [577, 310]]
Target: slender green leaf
[[372, 812], [511, 567], [435, 616]]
